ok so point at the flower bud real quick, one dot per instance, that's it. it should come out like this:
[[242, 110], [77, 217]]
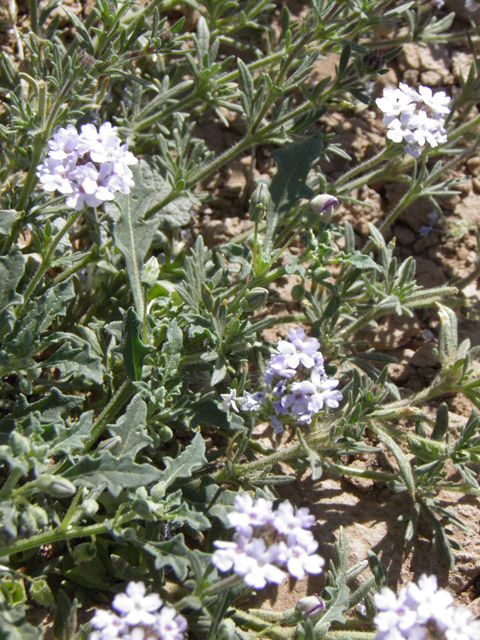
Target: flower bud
[[310, 605], [323, 205], [372, 61], [165, 433], [90, 507], [111, 444], [150, 272], [259, 202], [298, 291], [256, 298], [56, 486]]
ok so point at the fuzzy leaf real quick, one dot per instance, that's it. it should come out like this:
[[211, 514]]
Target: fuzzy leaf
[[72, 440], [66, 617], [173, 215], [7, 220], [133, 234], [289, 185], [113, 473], [132, 429], [191, 459], [51, 407], [12, 267], [131, 347], [403, 463], [78, 364], [14, 624], [361, 261]]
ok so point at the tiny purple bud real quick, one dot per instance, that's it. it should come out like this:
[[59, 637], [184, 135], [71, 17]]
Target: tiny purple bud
[[323, 205]]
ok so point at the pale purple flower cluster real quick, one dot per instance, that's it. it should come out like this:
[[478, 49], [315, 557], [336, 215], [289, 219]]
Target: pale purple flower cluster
[[141, 616], [266, 541], [422, 611], [416, 117], [297, 385], [88, 167]]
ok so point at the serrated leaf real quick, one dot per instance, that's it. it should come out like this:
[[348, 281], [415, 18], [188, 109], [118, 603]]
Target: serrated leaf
[[238, 254], [104, 469], [14, 624], [292, 266], [72, 440], [219, 371], [78, 364], [362, 261], [8, 217], [37, 317], [65, 618], [173, 215], [171, 553], [172, 348], [50, 409], [191, 459], [133, 234], [288, 185], [12, 268], [132, 428], [131, 347]]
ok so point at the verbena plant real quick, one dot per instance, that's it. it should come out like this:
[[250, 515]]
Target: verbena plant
[[133, 369]]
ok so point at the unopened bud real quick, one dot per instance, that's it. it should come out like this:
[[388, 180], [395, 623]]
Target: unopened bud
[[323, 205], [298, 291], [259, 202], [311, 605], [256, 298], [112, 445], [150, 272], [165, 433], [90, 507], [56, 486], [372, 61]]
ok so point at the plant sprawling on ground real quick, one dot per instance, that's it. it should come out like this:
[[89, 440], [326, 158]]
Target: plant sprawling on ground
[[134, 371]]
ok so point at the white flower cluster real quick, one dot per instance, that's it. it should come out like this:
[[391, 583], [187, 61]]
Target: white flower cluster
[[422, 611], [88, 167], [141, 616], [416, 117], [297, 386], [266, 540]]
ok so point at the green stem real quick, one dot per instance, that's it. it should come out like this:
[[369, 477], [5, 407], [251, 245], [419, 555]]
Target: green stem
[[46, 261], [38, 144], [9, 483], [354, 635], [117, 402], [359, 473], [34, 16], [71, 510], [89, 257], [160, 99], [280, 76], [361, 168], [288, 453], [223, 584], [228, 155], [173, 108], [49, 537], [389, 410]]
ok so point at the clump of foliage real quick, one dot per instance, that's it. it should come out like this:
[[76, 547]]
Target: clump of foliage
[[122, 348]]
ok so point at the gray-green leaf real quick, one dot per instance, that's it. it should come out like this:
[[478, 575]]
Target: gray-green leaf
[[133, 234]]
